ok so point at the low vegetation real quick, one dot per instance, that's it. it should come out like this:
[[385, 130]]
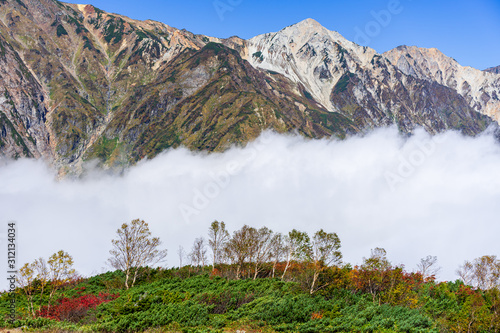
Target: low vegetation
[[252, 280]]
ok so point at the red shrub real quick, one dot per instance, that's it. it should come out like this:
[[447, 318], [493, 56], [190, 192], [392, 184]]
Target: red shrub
[[74, 309]]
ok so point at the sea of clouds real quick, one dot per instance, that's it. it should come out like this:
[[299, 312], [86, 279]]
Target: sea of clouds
[[413, 196]]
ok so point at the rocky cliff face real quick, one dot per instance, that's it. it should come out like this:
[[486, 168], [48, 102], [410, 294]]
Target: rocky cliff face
[[480, 89], [359, 83], [22, 104], [310, 54], [81, 84]]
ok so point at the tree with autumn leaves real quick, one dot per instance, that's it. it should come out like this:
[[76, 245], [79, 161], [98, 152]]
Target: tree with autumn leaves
[[385, 283], [253, 250], [312, 261], [41, 276]]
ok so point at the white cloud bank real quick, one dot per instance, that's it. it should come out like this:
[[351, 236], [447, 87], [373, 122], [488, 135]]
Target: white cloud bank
[[413, 197]]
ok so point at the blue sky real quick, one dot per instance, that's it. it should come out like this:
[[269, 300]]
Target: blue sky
[[468, 31]]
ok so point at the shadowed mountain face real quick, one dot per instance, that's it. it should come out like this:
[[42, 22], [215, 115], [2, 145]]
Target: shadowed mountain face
[[495, 70], [81, 84]]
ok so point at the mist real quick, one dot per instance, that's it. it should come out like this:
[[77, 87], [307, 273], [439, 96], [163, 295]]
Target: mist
[[414, 196]]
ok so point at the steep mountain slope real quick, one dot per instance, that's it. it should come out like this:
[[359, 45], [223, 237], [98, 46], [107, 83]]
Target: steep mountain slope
[[481, 89], [119, 90], [23, 113], [79, 84], [86, 62], [360, 83], [209, 99]]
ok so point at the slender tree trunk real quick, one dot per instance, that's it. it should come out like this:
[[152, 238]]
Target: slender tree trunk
[[371, 290], [30, 297], [135, 276], [470, 323], [238, 272], [126, 277], [41, 293], [286, 268], [54, 288], [315, 277], [41, 298]]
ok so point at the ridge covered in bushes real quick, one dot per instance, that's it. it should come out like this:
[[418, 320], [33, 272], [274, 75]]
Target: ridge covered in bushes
[[202, 299]]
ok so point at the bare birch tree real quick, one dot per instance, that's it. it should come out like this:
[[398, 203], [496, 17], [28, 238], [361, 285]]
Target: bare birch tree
[[239, 248], [377, 259], [295, 242], [428, 267], [320, 252], [135, 248], [198, 253], [278, 250], [217, 239], [261, 251], [323, 254], [482, 273]]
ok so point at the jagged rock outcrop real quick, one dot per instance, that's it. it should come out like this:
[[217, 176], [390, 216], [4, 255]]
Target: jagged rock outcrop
[[481, 89]]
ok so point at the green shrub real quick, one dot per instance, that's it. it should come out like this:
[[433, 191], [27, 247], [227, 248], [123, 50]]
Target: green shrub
[[61, 31]]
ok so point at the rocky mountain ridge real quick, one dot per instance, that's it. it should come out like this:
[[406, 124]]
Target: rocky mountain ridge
[[358, 82], [481, 89], [495, 70], [80, 84]]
